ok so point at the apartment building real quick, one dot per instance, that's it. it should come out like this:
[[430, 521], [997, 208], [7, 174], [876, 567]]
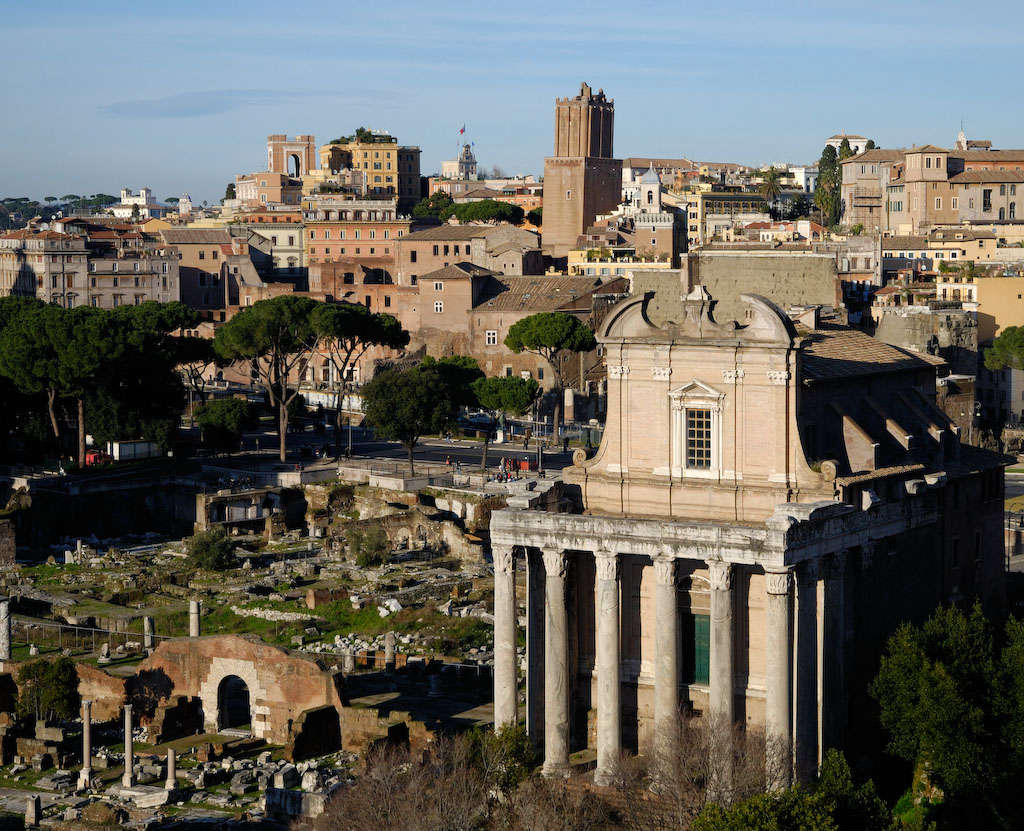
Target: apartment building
[[500, 248], [391, 170]]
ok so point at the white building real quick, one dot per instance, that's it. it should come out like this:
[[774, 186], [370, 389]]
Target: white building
[[141, 206], [805, 177], [857, 143], [462, 167]]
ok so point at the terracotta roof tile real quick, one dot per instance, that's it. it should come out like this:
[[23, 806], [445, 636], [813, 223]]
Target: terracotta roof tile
[[833, 352]]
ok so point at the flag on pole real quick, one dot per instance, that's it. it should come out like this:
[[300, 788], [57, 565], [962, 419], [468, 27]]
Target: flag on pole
[[463, 130]]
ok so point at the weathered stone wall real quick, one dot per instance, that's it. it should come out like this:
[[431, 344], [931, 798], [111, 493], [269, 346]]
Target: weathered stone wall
[[784, 278], [315, 733], [361, 728], [281, 684], [953, 335], [106, 692]]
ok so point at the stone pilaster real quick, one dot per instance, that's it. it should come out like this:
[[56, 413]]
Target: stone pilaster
[[128, 778], [666, 656], [805, 749], [556, 665], [506, 709], [85, 775], [609, 690], [778, 701]]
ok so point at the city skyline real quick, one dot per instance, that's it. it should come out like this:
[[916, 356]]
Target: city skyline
[[182, 98]]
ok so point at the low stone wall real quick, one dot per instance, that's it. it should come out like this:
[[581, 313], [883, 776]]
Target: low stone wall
[[361, 728]]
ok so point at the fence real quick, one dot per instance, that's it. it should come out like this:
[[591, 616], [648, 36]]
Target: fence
[[55, 636]]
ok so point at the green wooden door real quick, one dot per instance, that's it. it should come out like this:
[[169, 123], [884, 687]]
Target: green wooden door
[[696, 648]]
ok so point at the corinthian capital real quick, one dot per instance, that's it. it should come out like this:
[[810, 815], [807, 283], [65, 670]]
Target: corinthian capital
[[720, 576], [554, 562], [778, 582], [607, 565], [504, 558], [665, 571]]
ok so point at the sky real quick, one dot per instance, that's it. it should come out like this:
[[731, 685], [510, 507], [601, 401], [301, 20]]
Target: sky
[[100, 95]]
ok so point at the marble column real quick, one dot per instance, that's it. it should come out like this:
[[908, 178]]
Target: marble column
[[721, 686], [535, 586], [666, 654], [833, 682], [85, 775], [805, 673], [778, 701], [172, 774], [556, 666], [147, 632], [609, 689], [193, 618], [722, 700], [128, 779], [5, 629], [506, 709]]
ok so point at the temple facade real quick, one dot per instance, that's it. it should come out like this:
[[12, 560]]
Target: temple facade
[[770, 500]]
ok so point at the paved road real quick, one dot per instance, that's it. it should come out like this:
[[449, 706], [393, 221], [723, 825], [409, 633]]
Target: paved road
[[364, 446], [1015, 489]]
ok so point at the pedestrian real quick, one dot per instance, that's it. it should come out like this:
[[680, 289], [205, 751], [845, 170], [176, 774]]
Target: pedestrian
[[458, 467], [448, 461]]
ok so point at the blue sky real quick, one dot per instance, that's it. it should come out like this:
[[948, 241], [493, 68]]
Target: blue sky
[[180, 97]]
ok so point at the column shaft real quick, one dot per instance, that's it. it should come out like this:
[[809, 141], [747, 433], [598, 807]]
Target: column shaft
[[833, 682], [806, 672], [128, 779], [609, 692], [193, 618], [721, 659], [778, 701], [85, 776], [5, 629], [556, 665], [535, 648], [666, 654], [172, 773], [506, 709]]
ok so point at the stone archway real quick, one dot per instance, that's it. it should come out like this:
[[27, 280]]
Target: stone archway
[[212, 687], [233, 704]]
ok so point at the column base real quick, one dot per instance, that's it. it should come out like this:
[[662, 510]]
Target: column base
[[607, 779], [555, 771], [128, 781], [85, 779]]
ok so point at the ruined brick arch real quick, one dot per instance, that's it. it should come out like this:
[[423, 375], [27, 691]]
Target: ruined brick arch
[[209, 693]]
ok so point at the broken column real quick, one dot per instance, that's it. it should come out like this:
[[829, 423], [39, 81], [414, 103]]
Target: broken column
[[193, 618], [348, 662], [85, 776], [171, 771], [147, 632], [128, 779], [389, 651], [33, 812], [5, 629]]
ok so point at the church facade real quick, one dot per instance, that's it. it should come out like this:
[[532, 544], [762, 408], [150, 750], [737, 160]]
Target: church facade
[[770, 500]]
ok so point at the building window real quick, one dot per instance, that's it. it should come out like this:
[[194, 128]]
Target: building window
[[540, 373], [568, 194], [387, 300], [491, 337], [438, 306], [954, 203], [1013, 210], [698, 439], [439, 286], [938, 203], [113, 267], [202, 255]]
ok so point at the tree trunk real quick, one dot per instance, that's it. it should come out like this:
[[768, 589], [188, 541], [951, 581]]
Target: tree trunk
[[412, 469], [282, 429], [51, 408], [338, 418], [81, 432], [483, 460]]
